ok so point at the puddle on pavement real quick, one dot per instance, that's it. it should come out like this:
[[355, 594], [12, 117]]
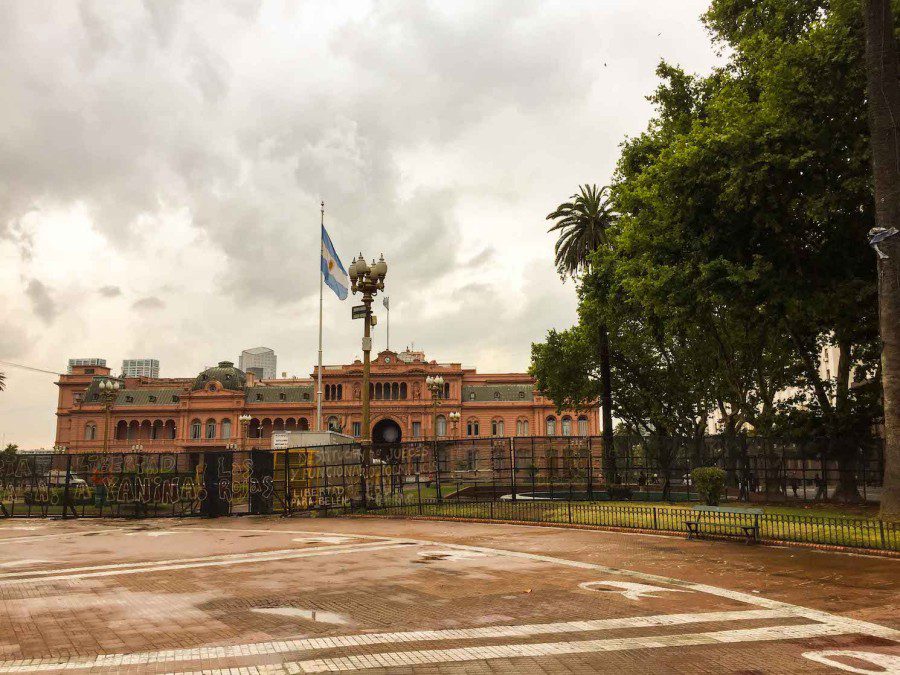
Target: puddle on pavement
[[317, 615]]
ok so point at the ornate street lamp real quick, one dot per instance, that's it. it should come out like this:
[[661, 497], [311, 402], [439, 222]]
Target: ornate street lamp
[[109, 389], [244, 421], [367, 280], [454, 420], [435, 385]]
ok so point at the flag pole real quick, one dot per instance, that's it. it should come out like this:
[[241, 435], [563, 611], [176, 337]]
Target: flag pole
[[321, 285], [388, 325]]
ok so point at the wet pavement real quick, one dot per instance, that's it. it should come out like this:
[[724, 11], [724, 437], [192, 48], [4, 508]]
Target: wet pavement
[[272, 595]]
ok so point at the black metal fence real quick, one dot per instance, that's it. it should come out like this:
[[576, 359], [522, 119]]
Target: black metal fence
[[542, 479]]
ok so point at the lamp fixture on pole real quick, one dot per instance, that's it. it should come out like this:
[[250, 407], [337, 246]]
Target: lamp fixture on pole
[[109, 390]]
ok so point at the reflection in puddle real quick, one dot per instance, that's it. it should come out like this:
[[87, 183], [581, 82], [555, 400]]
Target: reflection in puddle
[[316, 615]]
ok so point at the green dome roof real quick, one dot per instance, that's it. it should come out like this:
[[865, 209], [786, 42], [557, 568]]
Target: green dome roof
[[225, 373]]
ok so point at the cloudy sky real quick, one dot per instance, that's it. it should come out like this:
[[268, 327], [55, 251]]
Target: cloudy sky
[[162, 164]]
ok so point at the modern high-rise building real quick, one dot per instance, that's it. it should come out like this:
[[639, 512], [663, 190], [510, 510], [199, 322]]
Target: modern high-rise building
[[259, 357], [86, 362], [140, 368]]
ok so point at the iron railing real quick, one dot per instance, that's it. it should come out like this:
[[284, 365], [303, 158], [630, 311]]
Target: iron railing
[[540, 479]]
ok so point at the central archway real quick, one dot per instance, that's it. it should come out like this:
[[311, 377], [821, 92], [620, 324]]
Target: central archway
[[386, 431]]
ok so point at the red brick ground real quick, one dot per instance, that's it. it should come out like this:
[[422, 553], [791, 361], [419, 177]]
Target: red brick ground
[[143, 591]]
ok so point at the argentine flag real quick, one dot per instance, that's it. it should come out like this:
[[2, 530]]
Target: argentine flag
[[332, 270]]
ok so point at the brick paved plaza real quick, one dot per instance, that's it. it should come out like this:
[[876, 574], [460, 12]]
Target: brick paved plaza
[[253, 595]]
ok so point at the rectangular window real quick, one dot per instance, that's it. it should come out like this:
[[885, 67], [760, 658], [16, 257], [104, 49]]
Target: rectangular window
[[416, 429], [357, 429]]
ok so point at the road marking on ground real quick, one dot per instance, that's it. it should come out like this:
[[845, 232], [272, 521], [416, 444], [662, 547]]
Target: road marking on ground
[[629, 589], [152, 533], [41, 537], [188, 563], [313, 644], [886, 663], [492, 652], [323, 540], [21, 563]]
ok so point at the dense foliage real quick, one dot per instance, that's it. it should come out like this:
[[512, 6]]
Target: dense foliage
[[740, 249]]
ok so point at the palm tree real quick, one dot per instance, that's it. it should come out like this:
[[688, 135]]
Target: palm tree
[[582, 223], [2, 381]]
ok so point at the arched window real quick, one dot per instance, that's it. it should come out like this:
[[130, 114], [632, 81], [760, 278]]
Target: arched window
[[133, 428], [395, 391], [567, 426], [210, 428], [441, 425], [195, 430], [333, 424], [169, 430], [497, 427], [403, 391], [90, 431], [551, 426], [446, 390], [472, 428], [340, 392], [121, 430], [226, 428], [582, 425], [379, 390]]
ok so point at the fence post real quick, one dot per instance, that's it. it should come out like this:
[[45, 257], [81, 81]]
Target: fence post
[[569, 504], [881, 530], [492, 508], [590, 476], [65, 499], [287, 482], [655, 521], [512, 467]]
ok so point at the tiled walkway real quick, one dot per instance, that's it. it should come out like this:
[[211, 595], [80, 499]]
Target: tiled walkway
[[258, 595]]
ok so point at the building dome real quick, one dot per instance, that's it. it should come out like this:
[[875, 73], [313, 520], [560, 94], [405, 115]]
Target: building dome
[[225, 374]]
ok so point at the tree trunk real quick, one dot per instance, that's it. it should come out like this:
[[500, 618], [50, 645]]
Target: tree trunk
[[884, 116], [609, 455], [847, 454]]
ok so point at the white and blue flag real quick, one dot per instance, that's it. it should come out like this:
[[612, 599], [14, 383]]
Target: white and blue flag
[[332, 270]]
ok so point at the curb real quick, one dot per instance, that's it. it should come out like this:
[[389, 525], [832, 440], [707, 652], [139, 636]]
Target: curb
[[831, 548]]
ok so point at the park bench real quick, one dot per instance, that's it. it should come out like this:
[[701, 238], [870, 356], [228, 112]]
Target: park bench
[[725, 519]]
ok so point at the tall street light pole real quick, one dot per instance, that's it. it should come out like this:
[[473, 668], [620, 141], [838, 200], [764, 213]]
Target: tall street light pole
[[367, 280], [109, 389], [436, 387]]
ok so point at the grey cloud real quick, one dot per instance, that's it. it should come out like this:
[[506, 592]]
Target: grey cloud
[[14, 340], [481, 258], [42, 302], [168, 122], [148, 303], [109, 291]]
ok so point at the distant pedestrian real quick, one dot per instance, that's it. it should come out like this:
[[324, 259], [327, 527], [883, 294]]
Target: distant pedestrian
[[821, 488], [642, 479], [794, 485]]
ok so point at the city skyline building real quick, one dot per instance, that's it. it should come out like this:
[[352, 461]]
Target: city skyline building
[[85, 362], [259, 357], [140, 368]]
